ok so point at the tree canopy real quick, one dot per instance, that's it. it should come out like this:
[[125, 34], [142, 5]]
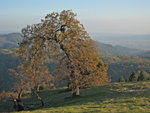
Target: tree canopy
[[60, 36]]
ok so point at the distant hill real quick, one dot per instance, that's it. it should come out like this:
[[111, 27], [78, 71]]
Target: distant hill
[[11, 40], [145, 55], [141, 42], [8, 41], [117, 50]]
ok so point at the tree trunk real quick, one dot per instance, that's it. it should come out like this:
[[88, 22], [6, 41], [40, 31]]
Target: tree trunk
[[19, 95], [39, 98], [77, 91], [18, 105], [37, 88]]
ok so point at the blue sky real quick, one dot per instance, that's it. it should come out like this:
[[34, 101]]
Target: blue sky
[[98, 16]]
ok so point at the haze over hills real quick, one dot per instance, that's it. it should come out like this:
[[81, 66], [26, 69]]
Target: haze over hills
[[118, 50], [141, 42], [8, 41], [11, 40]]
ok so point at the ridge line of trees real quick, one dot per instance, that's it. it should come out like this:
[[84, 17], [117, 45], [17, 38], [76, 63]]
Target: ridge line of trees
[[134, 77]]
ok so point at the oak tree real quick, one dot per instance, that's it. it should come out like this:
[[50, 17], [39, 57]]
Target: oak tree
[[61, 36], [29, 78]]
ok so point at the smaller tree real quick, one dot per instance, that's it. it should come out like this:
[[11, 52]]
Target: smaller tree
[[29, 78], [143, 76], [121, 79], [20, 85], [133, 77]]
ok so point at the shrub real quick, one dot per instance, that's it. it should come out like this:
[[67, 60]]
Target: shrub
[[121, 79], [143, 76], [133, 77]]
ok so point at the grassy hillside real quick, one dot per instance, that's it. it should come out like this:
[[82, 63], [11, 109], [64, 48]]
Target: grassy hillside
[[112, 97], [8, 41]]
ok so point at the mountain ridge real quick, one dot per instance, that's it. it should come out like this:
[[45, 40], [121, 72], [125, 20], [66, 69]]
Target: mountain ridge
[[132, 41], [11, 40]]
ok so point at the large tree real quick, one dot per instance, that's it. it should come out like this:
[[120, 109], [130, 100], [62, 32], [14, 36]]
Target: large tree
[[62, 37]]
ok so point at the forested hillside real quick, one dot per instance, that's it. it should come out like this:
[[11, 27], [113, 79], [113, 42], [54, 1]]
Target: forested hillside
[[7, 61], [118, 66], [125, 65]]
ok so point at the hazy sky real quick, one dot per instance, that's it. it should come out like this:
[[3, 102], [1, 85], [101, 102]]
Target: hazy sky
[[98, 16]]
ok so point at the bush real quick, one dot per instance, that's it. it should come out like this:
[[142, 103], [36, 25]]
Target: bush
[[143, 76], [133, 77], [121, 79]]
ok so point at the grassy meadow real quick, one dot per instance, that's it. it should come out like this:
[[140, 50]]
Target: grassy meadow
[[110, 98]]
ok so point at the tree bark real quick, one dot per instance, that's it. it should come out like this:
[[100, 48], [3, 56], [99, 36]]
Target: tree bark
[[18, 105], [77, 91], [39, 98], [37, 88], [19, 95]]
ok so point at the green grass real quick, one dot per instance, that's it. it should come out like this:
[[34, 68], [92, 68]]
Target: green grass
[[8, 51], [109, 98]]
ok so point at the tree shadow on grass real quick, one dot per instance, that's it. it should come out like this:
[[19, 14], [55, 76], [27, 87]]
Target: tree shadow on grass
[[62, 97]]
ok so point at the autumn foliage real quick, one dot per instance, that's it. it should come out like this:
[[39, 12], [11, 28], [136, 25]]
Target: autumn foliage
[[60, 36]]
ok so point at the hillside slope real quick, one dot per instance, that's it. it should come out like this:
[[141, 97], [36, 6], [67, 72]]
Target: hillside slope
[[124, 65], [145, 55], [11, 40], [8, 41], [109, 49], [116, 97], [7, 61]]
